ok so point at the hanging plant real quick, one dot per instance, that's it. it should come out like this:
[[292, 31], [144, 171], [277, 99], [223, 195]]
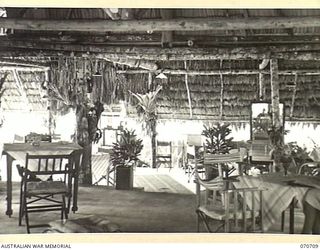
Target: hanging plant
[[146, 108], [217, 141]]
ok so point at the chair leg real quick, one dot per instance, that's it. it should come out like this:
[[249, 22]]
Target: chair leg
[[203, 218], [64, 212], [25, 208], [283, 216], [21, 210], [21, 205]]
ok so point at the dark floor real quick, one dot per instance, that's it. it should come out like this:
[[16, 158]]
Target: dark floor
[[164, 211]]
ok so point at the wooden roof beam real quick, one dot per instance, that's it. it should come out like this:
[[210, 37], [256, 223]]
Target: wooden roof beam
[[185, 24], [222, 71], [22, 69], [289, 52], [135, 63]]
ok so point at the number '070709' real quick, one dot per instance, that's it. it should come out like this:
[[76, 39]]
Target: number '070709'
[[309, 246]]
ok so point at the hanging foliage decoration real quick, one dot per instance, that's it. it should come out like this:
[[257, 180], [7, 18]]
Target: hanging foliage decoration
[[146, 108]]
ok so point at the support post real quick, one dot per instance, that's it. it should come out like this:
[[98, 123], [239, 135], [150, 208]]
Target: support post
[[221, 92], [293, 95], [276, 119], [188, 90], [275, 94], [262, 89]]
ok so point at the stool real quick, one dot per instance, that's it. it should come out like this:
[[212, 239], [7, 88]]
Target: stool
[[90, 224]]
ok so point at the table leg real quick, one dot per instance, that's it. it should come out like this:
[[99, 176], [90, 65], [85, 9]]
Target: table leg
[[9, 185], [76, 183], [291, 216]]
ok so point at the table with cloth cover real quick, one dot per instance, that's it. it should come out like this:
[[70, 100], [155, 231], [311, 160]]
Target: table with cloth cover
[[18, 151], [281, 191]]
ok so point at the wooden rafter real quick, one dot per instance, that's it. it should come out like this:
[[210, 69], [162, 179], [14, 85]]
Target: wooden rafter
[[288, 52], [135, 63], [190, 24], [223, 72], [22, 63], [23, 69]]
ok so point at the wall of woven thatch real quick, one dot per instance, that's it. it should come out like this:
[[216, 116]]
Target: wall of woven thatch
[[205, 91]]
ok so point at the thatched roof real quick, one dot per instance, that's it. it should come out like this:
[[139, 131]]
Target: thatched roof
[[222, 84]]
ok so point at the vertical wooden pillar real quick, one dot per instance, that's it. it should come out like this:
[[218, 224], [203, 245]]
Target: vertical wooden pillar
[[262, 80], [275, 93], [188, 90], [275, 105], [154, 142], [153, 129], [83, 140]]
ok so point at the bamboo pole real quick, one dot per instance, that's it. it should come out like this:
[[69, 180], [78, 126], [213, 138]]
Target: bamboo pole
[[22, 69], [276, 120], [275, 93], [221, 93], [293, 95], [188, 90], [178, 24], [262, 89]]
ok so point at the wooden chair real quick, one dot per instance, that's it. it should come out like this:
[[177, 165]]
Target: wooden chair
[[46, 185], [219, 162], [309, 168], [194, 153], [238, 210], [260, 155], [164, 154]]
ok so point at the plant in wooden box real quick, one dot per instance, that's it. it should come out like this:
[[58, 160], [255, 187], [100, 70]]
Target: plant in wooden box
[[124, 156], [217, 142]]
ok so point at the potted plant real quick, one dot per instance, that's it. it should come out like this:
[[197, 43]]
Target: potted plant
[[124, 156], [216, 139], [217, 142]]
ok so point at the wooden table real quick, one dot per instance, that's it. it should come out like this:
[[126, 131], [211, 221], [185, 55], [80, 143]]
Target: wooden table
[[280, 193], [18, 151]]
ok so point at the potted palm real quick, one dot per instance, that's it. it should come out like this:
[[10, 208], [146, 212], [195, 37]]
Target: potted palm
[[124, 156]]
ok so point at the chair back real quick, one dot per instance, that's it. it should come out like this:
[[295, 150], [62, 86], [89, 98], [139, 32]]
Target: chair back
[[309, 168], [164, 148], [164, 154], [243, 206], [50, 166], [239, 210], [260, 151], [222, 158]]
